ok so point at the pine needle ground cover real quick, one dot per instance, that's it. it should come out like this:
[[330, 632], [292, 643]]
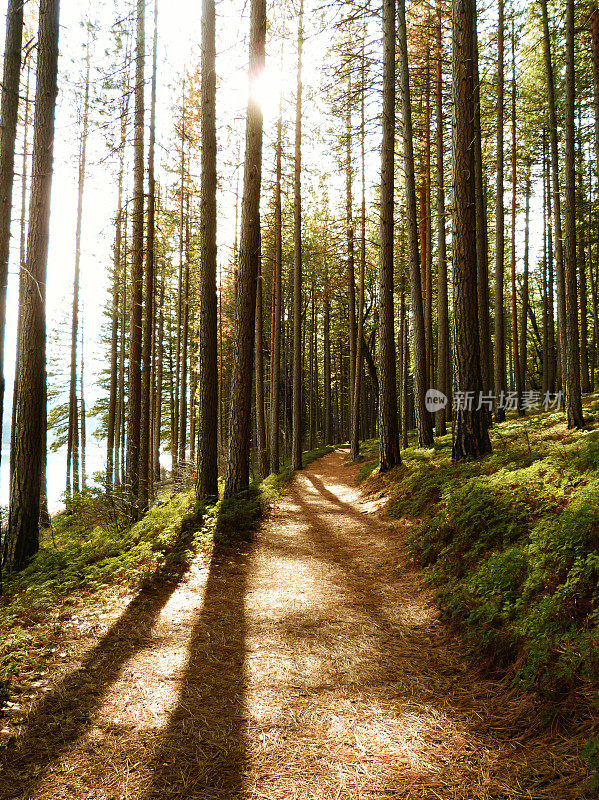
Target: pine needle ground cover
[[511, 544]]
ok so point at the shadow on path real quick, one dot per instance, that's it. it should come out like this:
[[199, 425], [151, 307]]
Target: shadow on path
[[202, 750], [63, 715]]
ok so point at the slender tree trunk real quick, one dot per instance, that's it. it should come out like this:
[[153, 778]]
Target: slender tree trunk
[[525, 298], [159, 384], [137, 269], [181, 459], [145, 471], [470, 435], [557, 215], [275, 363], [73, 437], [22, 538], [9, 113], [237, 472], [296, 446], [351, 278], [517, 374], [328, 429], [112, 403], [572, 343], [207, 464], [423, 420], [443, 384], [355, 439], [499, 359], [82, 418], [259, 364]]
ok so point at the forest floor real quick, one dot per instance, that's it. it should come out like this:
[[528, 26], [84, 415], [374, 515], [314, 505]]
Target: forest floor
[[309, 663]]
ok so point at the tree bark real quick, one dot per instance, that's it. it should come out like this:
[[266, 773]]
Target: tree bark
[[516, 351], [470, 434], [443, 384], [259, 364], [557, 215], [149, 311], [22, 538], [237, 472], [275, 360], [296, 446], [499, 359], [137, 270], [573, 395], [389, 455], [423, 420], [9, 113], [207, 462]]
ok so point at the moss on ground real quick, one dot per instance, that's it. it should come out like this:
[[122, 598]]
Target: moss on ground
[[511, 543]]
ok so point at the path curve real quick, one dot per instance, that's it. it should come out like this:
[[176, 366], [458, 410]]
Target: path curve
[[310, 664]]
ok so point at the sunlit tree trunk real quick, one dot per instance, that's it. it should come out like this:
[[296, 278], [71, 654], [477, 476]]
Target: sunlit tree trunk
[[525, 279], [237, 472], [149, 310], [137, 270], [275, 363], [259, 364], [296, 446], [9, 113]]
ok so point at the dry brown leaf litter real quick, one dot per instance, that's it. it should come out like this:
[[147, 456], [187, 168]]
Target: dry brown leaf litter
[[310, 664]]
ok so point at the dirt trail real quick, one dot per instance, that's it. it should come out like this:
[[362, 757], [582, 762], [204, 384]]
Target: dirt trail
[[309, 664]]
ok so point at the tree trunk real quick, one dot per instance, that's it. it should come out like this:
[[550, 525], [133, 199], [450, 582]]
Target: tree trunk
[[517, 374], [145, 471], [137, 269], [573, 396], [275, 359], [470, 435], [296, 446], [181, 458], [73, 437], [22, 538], [389, 455], [9, 113], [557, 215], [259, 363], [328, 429], [443, 312], [423, 420], [525, 299], [237, 472], [356, 388], [499, 359], [207, 461], [351, 278]]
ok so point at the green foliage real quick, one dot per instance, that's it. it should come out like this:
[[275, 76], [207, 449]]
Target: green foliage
[[511, 543]]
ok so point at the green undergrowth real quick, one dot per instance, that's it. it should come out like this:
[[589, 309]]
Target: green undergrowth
[[89, 556], [511, 543]]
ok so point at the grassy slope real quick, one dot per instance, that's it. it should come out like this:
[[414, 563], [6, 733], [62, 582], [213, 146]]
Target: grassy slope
[[89, 557], [511, 543]]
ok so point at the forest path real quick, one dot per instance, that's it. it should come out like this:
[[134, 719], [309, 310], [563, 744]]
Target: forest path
[[310, 664]]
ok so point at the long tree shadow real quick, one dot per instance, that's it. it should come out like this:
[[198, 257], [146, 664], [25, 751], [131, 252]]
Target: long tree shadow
[[63, 715], [203, 748]]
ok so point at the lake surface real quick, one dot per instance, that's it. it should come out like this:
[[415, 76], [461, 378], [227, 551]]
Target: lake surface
[[95, 461]]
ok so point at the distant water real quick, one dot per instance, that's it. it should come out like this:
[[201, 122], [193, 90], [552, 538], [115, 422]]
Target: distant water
[[95, 461]]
